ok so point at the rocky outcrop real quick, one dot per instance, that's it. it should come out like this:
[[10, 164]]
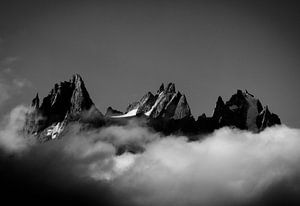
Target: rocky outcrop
[[166, 111], [267, 119], [243, 111], [161, 88], [35, 104], [166, 104], [182, 109], [68, 101], [146, 103]]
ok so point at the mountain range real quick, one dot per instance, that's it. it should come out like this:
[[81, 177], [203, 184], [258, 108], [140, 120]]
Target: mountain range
[[166, 111]]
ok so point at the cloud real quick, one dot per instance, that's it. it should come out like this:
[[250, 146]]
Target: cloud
[[11, 138], [228, 167], [7, 70], [4, 92], [21, 82], [9, 60], [11, 85]]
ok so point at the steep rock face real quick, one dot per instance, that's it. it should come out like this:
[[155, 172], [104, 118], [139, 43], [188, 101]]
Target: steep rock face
[[146, 103], [163, 98], [267, 119], [161, 88], [35, 104], [170, 108], [167, 111], [67, 101], [166, 104], [182, 110], [143, 105], [243, 111], [80, 99], [169, 104], [218, 112]]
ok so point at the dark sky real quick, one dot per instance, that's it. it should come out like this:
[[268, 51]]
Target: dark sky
[[124, 48]]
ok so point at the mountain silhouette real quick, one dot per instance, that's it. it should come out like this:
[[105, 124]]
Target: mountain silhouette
[[165, 111]]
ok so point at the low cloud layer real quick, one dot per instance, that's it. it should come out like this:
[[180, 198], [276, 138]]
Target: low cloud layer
[[228, 167], [11, 138]]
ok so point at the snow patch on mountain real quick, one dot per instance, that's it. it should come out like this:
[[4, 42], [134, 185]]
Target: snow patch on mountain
[[55, 129], [131, 113], [155, 104]]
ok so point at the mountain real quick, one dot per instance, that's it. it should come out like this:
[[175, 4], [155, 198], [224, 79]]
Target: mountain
[[68, 101], [166, 111], [166, 104], [243, 111]]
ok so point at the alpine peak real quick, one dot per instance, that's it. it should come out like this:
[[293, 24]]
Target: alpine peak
[[167, 111], [67, 101], [166, 104]]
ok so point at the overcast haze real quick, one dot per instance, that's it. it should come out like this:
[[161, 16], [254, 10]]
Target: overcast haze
[[123, 50]]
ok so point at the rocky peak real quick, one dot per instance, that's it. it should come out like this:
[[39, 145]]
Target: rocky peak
[[169, 110], [80, 99], [67, 97], [35, 104], [182, 110], [170, 88], [161, 88], [146, 103], [166, 104], [219, 108], [143, 104], [67, 101], [267, 119], [242, 110], [76, 79]]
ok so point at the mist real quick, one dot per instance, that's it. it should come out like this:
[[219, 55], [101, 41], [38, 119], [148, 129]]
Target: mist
[[227, 167]]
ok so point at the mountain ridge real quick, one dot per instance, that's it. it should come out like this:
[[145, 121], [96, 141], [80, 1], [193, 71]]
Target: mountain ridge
[[165, 111]]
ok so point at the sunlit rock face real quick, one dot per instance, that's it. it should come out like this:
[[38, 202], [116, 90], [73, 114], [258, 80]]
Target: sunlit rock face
[[243, 111], [67, 101], [165, 104], [165, 111]]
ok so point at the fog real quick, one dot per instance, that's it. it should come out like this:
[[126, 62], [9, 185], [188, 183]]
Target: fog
[[227, 167]]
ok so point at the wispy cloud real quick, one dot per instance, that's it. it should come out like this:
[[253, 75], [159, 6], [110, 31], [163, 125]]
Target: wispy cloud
[[7, 70], [9, 60], [10, 85], [4, 91], [21, 82]]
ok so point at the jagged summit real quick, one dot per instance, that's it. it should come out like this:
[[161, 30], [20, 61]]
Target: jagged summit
[[67, 101], [243, 111], [67, 97], [166, 104], [170, 88], [161, 88], [166, 111], [35, 104]]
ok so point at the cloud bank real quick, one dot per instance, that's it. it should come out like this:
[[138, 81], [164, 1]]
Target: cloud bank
[[11, 138], [228, 167]]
